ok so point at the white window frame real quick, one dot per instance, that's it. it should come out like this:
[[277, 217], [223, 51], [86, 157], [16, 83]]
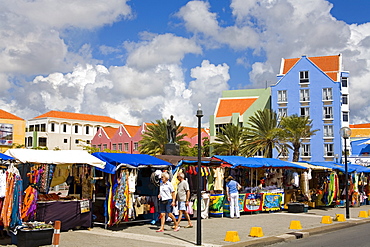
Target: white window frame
[[282, 112], [125, 146], [345, 99], [328, 131], [282, 96], [306, 112], [304, 77], [306, 150], [327, 112], [329, 150], [344, 81], [327, 93], [304, 95], [345, 116]]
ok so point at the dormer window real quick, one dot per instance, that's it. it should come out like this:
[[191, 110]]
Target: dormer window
[[303, 77]]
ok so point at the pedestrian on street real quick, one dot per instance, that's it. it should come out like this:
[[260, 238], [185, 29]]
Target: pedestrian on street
[[183, 197], [232, 192], [166, 201]]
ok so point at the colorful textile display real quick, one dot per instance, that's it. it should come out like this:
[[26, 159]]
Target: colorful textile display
[[10, 213], [253, 202], [272, 201], [216, 205]]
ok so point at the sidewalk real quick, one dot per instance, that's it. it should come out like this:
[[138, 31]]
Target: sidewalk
[[275, 227]]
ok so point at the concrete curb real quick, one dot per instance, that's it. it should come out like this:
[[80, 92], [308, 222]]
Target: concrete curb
[[301, 234]]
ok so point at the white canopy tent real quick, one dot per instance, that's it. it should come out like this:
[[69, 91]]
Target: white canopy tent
[[55, 157]]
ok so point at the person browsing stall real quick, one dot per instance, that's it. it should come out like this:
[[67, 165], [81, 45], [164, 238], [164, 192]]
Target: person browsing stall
[[166, 201], [183, 197], [232, 192]]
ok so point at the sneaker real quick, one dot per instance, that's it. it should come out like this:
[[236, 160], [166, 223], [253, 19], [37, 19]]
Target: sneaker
[[177, 229]]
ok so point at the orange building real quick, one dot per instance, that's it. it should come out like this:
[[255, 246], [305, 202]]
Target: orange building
[[12, 130]]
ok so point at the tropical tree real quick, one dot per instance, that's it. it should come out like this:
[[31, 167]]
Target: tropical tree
[[155, 138], [205, 149], [229, 141], [296, 128], [263, 134]]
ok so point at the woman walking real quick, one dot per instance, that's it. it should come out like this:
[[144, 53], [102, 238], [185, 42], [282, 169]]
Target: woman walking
[[166, 201], [232, 188]]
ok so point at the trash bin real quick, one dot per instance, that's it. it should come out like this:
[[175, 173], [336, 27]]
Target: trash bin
[[296, 207], [32, 238]]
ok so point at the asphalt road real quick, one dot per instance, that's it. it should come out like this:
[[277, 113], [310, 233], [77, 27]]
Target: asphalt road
[[353, 236]]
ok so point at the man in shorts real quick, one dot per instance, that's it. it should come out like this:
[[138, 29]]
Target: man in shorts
[[183, 196]]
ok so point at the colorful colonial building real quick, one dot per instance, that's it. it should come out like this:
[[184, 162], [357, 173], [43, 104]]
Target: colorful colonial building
[[12, 130], [316, 87], [65, 130]]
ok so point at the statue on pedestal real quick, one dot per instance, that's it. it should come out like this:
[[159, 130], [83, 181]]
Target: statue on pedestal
[[171, 130]]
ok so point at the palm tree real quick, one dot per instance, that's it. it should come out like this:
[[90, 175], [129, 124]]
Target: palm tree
[[155, 137], [229, 140], [263, 134], [295, 129]]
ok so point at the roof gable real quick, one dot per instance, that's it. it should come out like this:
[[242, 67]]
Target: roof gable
[[7, 115], [110, 131], [227, 107], [79, 116], [330, 65], [131, 129]]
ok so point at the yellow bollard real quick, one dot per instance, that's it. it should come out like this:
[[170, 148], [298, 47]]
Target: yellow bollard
[[232, 236], [295, 224], [363, 214], [326, 220], [340, 217], [256, 232]]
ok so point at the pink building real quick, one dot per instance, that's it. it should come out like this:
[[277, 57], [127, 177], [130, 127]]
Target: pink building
[[126, 138]]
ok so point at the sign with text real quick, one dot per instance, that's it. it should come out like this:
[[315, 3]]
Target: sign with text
[[6, 134], [85, 206]]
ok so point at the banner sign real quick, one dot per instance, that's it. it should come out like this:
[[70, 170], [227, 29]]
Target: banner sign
[[6, 134]]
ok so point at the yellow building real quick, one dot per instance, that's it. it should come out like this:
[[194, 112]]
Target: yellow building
[[12, 130]]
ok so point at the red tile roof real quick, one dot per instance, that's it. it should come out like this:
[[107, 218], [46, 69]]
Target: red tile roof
[[7, 115], [132, 130], [364, 125], [229, 106], [79, 116], [328, 64], [192, 132], [110, 131]]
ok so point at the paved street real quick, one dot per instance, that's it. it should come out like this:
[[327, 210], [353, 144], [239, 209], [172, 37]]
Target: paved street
[[275, 227]]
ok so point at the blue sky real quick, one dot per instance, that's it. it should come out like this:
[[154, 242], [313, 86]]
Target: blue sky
[[145, 60]]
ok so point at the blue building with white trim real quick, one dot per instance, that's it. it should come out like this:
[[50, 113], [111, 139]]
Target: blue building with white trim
[[316, 87]]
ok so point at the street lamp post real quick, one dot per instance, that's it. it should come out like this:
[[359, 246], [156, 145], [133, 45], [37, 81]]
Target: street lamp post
[[345, 132], [199, 177]]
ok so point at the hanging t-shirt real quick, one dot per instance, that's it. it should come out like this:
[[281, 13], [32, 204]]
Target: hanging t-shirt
[[219, 178], [2, 183], [295, 179]]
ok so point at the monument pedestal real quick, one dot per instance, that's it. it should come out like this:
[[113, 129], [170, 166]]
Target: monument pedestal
[[172, 149]]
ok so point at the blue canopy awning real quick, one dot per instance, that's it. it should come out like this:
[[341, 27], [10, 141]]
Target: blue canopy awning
[[239, 161], [5, 157], [114, 160], [252, 162], [359, 168], [332, 165]]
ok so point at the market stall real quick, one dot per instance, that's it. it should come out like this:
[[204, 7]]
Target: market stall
[[127, 188], [358, 184], [262, 180], [40, 170], [212, 181]]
